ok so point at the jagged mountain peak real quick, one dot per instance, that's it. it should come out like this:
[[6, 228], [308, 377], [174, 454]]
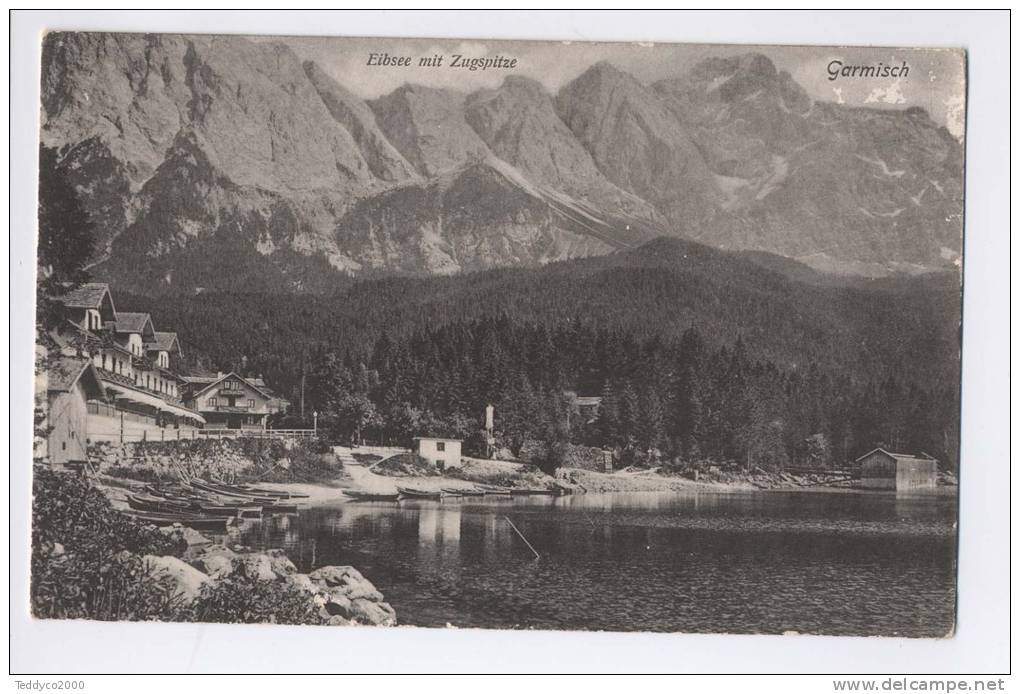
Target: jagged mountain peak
[[382, 158], [184, 143], [426, 125]]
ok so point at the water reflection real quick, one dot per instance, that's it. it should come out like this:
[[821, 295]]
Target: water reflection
[[755, 562]]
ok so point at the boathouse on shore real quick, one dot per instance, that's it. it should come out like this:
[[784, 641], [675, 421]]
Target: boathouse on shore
[[880, 469], [70, 384], [443, 453]]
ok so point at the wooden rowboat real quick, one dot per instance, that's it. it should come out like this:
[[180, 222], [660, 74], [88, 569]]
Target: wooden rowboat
[[197, 499], [450, 491], [279, 508], [271, 492], [191, 520], [223, 491], [250, 490], [371, 496], [535, 492], [408, 493], [157, 505]]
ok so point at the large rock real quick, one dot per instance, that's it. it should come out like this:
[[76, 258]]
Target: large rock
[[257, 567], [347, 595], [345, 581], [189, 536], [302, 583], [187, 580], [217, 561], [336, 603], [371, 612], [280, 563]]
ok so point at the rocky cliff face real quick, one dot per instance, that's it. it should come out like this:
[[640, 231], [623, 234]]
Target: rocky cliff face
[[216, 162], [842, 188]]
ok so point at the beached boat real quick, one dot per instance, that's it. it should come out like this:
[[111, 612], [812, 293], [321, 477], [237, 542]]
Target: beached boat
[[535, 492], [228, 511], [407, 493], [194, 497], [157, 505], [279, 508], [224, 491], [250, 490], [274, 493], [189, 519], [451, 491], [495, 491], [371, 496]]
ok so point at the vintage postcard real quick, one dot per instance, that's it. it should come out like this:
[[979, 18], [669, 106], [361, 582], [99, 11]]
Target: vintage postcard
[[498, 334]]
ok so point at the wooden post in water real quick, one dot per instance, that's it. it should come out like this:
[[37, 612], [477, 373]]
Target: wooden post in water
[[521, 535]]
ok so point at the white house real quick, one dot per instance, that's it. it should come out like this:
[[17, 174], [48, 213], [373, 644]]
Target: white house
[[443, 453]]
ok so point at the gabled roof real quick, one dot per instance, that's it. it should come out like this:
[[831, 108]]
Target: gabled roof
[[134, 323], [895, 456], [199, 379], [163, 342], [219, 380], [89, 295], [65, 372]]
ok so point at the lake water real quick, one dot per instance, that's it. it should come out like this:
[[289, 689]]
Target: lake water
[[757, 562]]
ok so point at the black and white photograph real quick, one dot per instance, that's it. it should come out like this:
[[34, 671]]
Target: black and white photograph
[[494, 334]]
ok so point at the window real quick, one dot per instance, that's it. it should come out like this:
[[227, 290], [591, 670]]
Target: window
[[251, 404], [211, 402], [440, 446]]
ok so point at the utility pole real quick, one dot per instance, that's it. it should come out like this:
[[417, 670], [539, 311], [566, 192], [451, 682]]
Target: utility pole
[[303, 362]]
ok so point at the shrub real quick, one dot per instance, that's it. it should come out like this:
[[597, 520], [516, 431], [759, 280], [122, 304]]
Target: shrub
[[142, 474], [66, 509], [406, 465], [247, 601], [95, 572], [111, 588]]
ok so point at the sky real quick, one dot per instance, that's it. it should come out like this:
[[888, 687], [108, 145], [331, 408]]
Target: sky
[[935, 81]]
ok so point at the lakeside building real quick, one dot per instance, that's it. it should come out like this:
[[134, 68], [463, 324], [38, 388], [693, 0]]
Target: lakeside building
[[137, 366], [880, 469], [231, 401], [112, 376], [70, 383], [441, 452]]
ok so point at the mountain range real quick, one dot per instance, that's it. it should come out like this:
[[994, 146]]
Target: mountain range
[[218, 163]]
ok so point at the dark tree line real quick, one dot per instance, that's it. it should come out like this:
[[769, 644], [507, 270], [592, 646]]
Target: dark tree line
[[683, 400]]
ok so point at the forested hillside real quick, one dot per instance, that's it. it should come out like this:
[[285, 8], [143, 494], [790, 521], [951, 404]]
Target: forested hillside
[[693, 349]]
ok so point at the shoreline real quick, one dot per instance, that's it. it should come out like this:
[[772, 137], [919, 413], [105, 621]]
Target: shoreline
[[479, 471]]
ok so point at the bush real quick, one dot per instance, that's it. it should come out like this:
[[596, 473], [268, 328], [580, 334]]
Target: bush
[[141, 474], [406, 465], [246, 601], [84, 556], [109, 588], [67, 509]]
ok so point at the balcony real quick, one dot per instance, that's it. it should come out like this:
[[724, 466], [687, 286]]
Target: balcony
[[231, 390], [232, 409]]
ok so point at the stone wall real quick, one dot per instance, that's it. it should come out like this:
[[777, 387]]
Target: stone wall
[[583, 457], [220, 458]]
